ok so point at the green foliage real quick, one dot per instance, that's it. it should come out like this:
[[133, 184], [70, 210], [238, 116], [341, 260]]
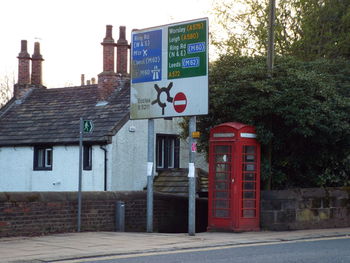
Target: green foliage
[[301, 115], [307, 29], [325, 26], [247, 27]]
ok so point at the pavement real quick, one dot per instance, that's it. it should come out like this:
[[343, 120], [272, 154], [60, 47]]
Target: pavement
[[69, 247]]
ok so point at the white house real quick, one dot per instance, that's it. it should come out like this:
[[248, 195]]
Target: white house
[[39, 131]]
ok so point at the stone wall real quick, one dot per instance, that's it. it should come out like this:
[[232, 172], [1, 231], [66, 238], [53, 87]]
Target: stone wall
[[37, 213], [305, 208]]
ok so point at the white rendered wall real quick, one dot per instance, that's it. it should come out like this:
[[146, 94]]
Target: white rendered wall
[[17, 174], [127, 170], [128, 156]]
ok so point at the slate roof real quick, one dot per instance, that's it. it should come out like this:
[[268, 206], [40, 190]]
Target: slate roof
[[51, 116]]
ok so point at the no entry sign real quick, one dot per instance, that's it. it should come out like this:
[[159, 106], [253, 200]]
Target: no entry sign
[[169, 70], [180, 102]]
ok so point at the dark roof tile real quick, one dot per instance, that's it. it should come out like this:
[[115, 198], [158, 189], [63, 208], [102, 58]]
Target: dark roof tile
[[51, 116]]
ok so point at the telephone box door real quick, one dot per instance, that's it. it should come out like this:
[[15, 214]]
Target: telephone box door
[[221, 185]]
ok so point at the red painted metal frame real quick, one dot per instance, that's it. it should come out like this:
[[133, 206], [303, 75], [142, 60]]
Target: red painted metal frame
[[230, 134]]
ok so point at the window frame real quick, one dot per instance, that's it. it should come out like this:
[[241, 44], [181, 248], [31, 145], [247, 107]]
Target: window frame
[[44, 155], [87, 157], [169, 147]]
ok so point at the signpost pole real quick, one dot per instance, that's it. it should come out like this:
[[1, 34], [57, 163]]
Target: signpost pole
[[150, 160], [80, 171], [192, 179]]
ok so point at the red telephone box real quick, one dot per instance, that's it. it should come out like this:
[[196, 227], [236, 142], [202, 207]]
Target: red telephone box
[[234, 178]]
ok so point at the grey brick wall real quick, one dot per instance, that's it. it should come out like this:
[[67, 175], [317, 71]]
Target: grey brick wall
[[27, 214]]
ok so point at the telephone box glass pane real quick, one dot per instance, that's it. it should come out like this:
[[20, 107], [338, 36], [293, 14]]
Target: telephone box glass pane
[[220, 167], [223, 158], [249, 177], [248, 203], [249, 158], [248, 186], [249, 149], [221, 186], [248, 213], [222, 204], [221, 176], [221, 195], [249, 194], [221, 213], [248, 167], [222, 149]]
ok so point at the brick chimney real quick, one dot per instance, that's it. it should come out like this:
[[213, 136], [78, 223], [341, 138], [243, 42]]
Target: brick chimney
[[122, 52], [82, 79], [23, 84], [37, 60], [107, 80]]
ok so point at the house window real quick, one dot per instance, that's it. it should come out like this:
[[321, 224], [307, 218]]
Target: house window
[[167, 151], [87, 157], [42, 158]]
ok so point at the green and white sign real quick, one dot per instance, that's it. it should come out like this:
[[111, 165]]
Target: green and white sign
[[187, 50], [169, 70], [88, 126]]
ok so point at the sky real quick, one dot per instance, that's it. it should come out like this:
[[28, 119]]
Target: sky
[[70, 32]]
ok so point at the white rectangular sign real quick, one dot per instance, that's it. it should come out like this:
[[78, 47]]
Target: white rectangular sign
[[169, 70]]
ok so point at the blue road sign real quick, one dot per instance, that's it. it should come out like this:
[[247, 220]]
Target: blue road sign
[[147, 56]]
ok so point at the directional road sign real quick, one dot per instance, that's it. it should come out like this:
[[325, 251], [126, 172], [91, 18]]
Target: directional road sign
[[169, 70]]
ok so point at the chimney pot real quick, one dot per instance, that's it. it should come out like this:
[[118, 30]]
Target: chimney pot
[[82, 78], [24, 53], [107, 80], [122, 52], [37, 65], [23, 65], [122, 39], [108, 38]]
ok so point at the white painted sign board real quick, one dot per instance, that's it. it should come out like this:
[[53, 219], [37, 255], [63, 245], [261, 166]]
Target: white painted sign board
[[169, 70]]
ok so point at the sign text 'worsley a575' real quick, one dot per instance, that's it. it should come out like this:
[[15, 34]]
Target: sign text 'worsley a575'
[[169, 70]]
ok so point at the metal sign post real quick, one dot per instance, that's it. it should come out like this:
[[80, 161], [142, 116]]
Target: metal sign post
[[150, 158], [80, 171], [84, 126], [192, 180]]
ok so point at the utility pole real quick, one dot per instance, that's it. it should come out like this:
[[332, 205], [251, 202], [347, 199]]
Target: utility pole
[[270, 45], [270, 59]]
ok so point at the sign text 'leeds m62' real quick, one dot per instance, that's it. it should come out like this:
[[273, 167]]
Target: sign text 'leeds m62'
[[169, 70]]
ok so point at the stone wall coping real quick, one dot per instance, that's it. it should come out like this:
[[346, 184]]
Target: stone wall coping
[[93, 195]]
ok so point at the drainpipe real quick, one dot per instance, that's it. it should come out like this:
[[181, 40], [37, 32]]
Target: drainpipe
[[105, 170]]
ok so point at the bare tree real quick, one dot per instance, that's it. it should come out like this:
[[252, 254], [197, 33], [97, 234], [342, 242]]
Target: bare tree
[[6, 88]]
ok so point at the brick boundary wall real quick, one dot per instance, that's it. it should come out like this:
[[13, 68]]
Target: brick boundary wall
[[308, 208], [38, 213]]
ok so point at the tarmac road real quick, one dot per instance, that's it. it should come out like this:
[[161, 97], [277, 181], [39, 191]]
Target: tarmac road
[[325, 250], [95, 245]]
